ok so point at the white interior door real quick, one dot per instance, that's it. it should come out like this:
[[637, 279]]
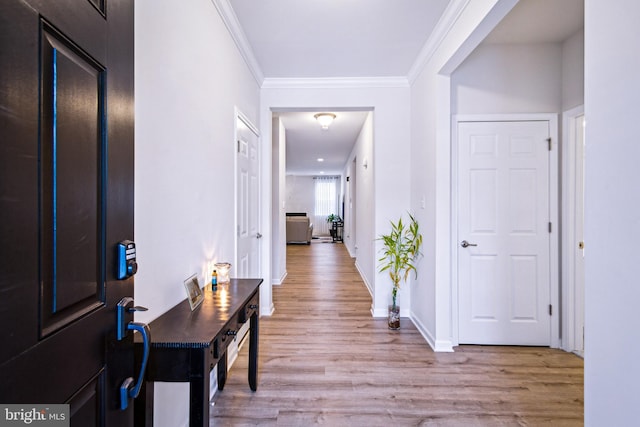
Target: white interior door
[[503, 216], [247, 200]]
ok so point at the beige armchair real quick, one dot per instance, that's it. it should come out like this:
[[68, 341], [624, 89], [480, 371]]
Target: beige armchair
[[299, 229]]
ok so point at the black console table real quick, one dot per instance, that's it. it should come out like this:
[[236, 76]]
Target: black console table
[[186, 345], [337, 228]]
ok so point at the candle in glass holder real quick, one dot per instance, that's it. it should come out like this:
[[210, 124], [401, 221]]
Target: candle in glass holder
[[223, 271]]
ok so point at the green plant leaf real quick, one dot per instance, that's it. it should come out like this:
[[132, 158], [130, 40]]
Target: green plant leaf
[[400, 249]]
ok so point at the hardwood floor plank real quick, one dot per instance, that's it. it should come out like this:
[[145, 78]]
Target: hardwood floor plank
[[325, 361]]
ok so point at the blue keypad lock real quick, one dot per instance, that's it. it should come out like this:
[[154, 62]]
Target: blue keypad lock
[[127, 265]]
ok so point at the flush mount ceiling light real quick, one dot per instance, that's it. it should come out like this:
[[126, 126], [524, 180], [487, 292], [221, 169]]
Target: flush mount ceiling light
[[325, 119]]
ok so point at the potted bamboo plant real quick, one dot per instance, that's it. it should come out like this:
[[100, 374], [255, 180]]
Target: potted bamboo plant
[[401, 248]]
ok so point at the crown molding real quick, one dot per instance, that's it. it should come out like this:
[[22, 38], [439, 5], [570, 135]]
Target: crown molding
[[240, 39], [443, 27], [335, 82]]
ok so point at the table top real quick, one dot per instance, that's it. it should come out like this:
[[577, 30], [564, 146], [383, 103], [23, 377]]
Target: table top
[[182, 328]]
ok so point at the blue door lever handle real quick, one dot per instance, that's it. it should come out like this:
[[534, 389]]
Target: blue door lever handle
[[127, 389]]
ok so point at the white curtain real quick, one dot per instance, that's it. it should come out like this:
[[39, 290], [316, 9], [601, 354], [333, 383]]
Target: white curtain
[[326, 203]]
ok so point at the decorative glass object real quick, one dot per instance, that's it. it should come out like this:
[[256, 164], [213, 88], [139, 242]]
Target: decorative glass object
[[223, 269]]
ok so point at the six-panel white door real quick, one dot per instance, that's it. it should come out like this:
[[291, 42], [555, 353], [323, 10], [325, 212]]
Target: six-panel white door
[[248, 254], [503, 208]]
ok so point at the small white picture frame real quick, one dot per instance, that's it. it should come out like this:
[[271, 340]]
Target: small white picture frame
[[194, 291]]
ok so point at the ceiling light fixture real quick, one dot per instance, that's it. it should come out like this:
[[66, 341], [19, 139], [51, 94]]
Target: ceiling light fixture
[[325, 119]]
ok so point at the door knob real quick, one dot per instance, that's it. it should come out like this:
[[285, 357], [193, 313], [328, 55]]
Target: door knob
[[258, 236], [466, 244]]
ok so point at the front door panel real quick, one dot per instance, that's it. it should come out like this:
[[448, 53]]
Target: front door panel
[[72, 165], [66, 197]]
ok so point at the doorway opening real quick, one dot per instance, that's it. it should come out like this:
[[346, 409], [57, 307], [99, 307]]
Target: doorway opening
[[305, 156]]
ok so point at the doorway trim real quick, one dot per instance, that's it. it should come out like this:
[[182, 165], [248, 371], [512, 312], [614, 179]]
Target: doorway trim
[[569, 326], [265, 292], [554, 254]]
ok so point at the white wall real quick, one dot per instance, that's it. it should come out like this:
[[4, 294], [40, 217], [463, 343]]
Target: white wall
[[300, 194], [390, 103], [509, 78], [189, 77], [573, 71], [359, 227], [278, 207], [612, 213]]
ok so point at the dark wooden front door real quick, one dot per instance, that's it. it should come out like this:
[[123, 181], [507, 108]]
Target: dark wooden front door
[[66, 199]]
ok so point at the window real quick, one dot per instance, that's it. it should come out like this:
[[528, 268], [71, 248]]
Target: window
[[326, 202]]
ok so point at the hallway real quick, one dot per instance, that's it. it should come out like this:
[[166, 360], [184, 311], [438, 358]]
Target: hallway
[[324, 360]]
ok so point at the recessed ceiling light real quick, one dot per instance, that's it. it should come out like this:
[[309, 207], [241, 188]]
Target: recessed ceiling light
[[320, 159]]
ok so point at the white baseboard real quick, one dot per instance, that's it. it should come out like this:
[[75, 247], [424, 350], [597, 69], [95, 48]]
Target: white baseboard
[[280, 281], [364, 279], [379, 312], [268, 311], [444, 346]]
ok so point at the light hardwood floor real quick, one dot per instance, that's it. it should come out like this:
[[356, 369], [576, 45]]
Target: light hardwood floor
[[325, 361]]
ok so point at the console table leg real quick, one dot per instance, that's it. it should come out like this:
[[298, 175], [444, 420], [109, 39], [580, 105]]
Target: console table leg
[[199, 390], [222, 371], [253, 352], [143, 406]]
